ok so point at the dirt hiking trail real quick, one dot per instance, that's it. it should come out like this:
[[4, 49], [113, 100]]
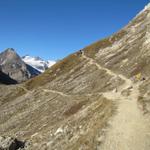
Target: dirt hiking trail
[[129, 129]]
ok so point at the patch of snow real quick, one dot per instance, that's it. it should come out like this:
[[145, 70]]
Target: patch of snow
[[50, 63]]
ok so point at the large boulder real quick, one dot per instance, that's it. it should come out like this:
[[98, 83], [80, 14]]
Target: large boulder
[[9, 143]]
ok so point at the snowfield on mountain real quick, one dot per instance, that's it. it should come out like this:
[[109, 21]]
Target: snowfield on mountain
[[38, 63]]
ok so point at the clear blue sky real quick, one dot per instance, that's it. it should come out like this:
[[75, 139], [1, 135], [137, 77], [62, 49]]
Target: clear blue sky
[[53, 29]]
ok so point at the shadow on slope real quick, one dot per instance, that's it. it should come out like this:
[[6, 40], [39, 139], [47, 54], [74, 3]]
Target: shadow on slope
[[5, 79]]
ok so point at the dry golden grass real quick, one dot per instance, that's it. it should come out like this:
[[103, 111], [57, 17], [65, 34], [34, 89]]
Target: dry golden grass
[[17, 92], [96, 120], [75, 108], [91, 50], [58, 69]]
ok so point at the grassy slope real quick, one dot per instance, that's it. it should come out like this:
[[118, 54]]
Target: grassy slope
[[71, 61]]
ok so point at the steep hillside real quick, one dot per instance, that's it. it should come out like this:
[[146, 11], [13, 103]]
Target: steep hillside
[[94, 99]]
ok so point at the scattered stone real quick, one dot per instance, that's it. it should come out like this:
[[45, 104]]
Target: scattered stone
[[9, 143]]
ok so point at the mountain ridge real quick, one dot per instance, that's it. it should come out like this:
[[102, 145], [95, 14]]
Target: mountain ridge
[[12, 65]]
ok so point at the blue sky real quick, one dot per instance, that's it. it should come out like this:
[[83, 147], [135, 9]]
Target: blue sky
[[52, 29]]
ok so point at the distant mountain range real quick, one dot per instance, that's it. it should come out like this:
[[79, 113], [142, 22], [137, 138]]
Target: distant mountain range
[[19, 69], [38, 63]]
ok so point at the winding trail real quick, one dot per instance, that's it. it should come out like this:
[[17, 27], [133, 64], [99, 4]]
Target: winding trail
[[23, 88], [55, 92], [45, 90], [129, 128]]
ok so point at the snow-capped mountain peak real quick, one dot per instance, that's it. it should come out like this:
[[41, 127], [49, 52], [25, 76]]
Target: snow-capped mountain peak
[[38, 63]]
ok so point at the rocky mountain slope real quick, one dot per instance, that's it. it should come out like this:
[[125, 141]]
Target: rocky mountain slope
[[94, 99], [12, 65], [5, 79], [38, 63]]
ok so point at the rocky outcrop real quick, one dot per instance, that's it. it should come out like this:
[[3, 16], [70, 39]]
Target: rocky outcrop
[[12, 65], [5, 79], [9, 143]]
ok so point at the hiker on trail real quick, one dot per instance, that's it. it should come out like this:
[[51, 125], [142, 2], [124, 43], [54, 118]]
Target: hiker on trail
[[81, 52], [138, 77]]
